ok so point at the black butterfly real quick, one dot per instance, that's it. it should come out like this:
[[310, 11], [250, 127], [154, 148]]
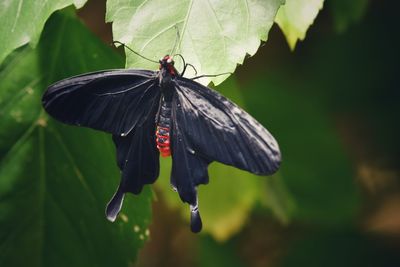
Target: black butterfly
[[160, 112]]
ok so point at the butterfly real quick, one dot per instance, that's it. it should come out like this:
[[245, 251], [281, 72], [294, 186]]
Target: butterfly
[[152, 113]]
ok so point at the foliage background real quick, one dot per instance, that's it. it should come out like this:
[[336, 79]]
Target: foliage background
[[332, 103]]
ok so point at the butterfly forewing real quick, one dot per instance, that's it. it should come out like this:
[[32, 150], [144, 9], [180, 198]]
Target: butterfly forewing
[[114, 101], [217, 129]]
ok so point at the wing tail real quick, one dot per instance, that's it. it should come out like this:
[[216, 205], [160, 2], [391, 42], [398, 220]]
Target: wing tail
[[138, 160], [115, 204], [188, 171]]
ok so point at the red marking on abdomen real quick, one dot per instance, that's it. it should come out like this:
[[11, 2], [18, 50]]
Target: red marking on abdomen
[[163, 141]]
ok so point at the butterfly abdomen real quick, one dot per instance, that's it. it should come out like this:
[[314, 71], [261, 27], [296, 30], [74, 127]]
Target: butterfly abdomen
[[163, 130]]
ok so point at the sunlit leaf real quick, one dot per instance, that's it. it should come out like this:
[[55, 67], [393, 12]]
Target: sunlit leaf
[[295, 17], [214, 35], [55, 180], [22, 21]]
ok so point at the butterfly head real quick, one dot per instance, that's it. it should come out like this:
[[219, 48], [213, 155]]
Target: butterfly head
[[167, 62]]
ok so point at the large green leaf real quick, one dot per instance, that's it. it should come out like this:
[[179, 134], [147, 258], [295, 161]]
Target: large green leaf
[[214, 35], [295, 17], [55, 180], [21, 22], [226, 202]]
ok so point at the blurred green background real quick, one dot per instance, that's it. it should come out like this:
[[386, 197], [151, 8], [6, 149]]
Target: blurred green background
[[333, 104]]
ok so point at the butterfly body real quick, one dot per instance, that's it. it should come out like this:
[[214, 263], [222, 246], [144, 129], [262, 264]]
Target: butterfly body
[[163, 131], [166, 75], [150, 113]]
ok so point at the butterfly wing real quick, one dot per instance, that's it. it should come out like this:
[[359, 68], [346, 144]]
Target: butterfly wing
[[208, 127], [114, 101], [138, 160], [217, 129], [188, 170], [124, 103]]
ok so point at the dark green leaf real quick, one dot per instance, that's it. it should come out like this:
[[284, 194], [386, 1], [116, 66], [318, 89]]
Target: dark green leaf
[[214, 254], [55, 180], [347, 12], [275, 195]]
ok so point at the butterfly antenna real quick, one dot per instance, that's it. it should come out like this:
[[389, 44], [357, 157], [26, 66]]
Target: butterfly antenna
[[177, 38], [215, 75], [136, 53], [185, 65]]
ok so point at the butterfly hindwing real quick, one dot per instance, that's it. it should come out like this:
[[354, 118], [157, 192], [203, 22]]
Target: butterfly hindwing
[[138, 160], [188, 170], [114, 101]]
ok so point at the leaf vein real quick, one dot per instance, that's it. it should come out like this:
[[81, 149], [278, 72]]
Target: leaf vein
[[16, 96], [185, 22], [71, 159], [17, 15], [158, 34]]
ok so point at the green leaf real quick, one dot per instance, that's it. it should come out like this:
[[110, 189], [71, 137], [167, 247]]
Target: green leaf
[[21, 22], [275, 196], [214, 36], [226, 202], [347, 12], [55, 180], [295, 17]]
